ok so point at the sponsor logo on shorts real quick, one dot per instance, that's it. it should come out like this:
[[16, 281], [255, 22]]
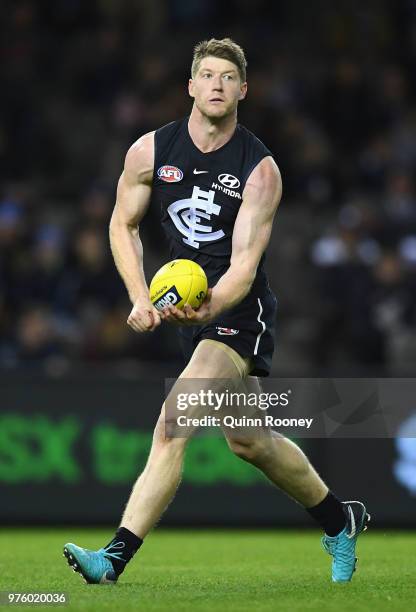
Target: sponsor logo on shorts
[[226, 331], [170, 297], [170, 174]]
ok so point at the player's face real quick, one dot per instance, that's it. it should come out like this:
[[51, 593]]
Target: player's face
[[217, 88]]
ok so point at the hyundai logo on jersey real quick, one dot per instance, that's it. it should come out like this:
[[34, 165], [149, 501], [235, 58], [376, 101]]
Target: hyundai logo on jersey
[[228, 180]]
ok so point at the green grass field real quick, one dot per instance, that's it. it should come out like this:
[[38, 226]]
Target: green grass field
[[216, 570]]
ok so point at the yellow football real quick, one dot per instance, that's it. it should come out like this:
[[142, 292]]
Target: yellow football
[[179, 282]]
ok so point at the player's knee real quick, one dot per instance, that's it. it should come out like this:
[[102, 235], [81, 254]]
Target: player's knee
[[165, 434], [252, 450], [165, 443]]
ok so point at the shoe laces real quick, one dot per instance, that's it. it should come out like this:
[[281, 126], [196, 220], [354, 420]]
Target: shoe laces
[[337, 550]]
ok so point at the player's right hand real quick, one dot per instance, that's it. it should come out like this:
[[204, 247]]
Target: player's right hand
[[144, 317]]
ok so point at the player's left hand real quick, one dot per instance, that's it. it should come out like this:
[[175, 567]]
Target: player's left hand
[[189, 316]]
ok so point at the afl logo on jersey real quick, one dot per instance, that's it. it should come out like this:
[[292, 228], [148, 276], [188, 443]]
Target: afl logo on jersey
[[170, 174], [228, 180]]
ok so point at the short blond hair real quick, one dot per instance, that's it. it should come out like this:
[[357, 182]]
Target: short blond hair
[[224, 49]]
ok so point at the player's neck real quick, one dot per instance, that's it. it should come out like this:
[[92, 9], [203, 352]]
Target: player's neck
[[208, 135]]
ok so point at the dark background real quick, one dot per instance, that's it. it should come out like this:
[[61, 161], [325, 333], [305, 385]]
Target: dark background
[[331, 93]]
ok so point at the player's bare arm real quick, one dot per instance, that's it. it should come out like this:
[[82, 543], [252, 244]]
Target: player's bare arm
[[251, 235], [133, 197]]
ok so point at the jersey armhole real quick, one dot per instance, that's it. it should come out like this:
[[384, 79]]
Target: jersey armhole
[[250, 170]]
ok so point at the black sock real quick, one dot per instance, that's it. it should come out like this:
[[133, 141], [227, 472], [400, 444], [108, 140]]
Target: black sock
[[329, 514], [125, 544]]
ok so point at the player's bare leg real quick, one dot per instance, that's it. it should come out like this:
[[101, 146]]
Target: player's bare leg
[[158, 482], [285, 464], [156, 486], [280, 459]]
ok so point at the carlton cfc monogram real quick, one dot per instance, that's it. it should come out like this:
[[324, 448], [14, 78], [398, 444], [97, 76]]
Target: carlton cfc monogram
[[188, 214]]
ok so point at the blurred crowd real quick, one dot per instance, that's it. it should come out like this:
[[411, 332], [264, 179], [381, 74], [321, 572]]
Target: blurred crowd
[[331, 93]]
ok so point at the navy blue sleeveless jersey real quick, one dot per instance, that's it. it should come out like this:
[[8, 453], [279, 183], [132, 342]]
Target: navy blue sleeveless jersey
[[199, 196]]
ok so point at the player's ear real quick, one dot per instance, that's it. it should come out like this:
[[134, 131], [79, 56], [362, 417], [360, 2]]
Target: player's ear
[[191, 88], [243, 91]]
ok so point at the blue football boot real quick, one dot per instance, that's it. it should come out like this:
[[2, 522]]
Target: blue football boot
[[342, 546], [94, 566]]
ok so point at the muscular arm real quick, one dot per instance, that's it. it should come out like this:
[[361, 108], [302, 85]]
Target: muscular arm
[[133, 197], [251, 235]]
